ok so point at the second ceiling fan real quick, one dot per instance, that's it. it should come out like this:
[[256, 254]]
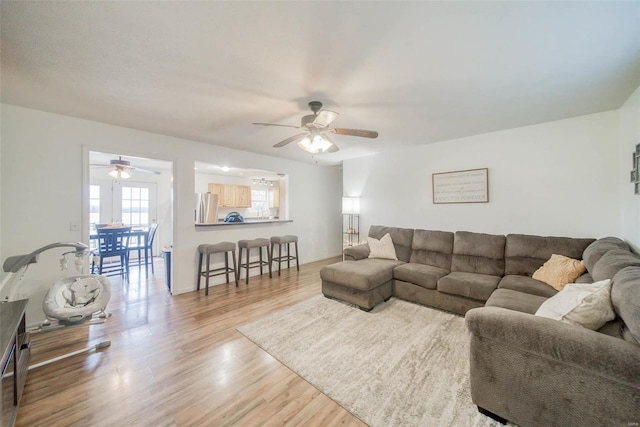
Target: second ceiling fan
[[315, 138]]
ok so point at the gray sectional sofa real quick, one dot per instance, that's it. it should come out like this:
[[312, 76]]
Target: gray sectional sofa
[[450, 271], [525, 369]]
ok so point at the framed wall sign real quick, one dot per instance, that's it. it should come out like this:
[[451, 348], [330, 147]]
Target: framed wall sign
[[467, 186]]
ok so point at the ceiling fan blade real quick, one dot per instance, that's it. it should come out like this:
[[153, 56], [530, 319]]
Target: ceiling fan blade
[[324, 118], [356, 132], [146, 171], [291, 139], [275, 124]]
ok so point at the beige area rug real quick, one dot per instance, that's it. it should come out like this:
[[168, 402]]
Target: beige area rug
[[402, 364]]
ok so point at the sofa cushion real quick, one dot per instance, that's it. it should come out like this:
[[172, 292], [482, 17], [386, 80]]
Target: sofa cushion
[[514, 300], [382, 248], [527, 285], [625, 297], [594, 251], [478, 253], [402, 239], [422, 275], [559, 271], [613, 328], [432, 248], [613, 261], [585, 278], [470, 285], [363, 275], [524, 253], [582, 304]]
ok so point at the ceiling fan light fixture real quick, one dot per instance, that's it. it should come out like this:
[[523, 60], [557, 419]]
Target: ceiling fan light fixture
[[119, 174], [315, 145]]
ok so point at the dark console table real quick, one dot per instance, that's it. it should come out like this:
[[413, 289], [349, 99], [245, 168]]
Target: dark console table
[[15, 347]]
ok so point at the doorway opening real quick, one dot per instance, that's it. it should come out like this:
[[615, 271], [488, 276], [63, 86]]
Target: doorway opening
[[131, 191]]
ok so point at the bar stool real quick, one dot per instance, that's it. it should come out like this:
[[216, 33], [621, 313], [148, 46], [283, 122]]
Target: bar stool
[[284, 240], [217, 248], [248, 245]]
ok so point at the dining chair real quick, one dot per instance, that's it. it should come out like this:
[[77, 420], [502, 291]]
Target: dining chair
[[146, 246], [112, 243]]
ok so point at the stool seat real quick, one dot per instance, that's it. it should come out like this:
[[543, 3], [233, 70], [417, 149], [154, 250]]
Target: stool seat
[[216, 248], [284, 239], [253, 243]]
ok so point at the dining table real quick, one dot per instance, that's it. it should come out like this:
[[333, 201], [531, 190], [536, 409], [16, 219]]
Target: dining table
[[141, 234]]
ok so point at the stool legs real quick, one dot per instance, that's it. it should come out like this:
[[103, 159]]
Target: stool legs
[[248, 264], [247, 270], [199, 270], [280, 259], [235, 268], [238, 270], [208, 272], [226, 266], [206, 291]]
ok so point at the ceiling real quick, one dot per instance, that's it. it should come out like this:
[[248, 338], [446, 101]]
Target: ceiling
[[417, 72]]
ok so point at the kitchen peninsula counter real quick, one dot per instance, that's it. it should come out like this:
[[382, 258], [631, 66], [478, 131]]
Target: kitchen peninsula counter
[[246, 222]]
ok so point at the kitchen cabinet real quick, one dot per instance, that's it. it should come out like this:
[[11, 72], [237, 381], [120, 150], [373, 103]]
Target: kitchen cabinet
[[219, 190], [274, 197], [242, 196], [231, 196]]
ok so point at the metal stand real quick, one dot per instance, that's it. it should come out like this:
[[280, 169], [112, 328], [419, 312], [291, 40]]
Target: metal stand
[[350, 229]]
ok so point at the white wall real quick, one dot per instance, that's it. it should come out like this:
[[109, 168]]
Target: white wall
[[558, 178], [629, 138], [42, 174]]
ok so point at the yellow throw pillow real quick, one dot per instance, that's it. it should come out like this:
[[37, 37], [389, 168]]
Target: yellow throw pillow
[[559, 271]]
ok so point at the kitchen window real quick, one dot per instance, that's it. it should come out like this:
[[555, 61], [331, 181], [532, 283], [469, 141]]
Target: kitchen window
[[259, 200]]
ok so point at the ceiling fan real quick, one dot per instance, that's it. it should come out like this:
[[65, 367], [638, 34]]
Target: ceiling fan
[[121, 169], [315, 138]]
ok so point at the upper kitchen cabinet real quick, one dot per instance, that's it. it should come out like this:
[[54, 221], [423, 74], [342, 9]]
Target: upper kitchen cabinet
[[231, 196], [274, 197], [242, 195]]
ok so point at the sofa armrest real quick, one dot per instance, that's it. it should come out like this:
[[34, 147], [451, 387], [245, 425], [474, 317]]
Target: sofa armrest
[[559, 341], [355, 253], [532, 370]]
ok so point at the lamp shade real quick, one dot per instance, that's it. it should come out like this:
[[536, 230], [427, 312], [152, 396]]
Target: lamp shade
[[315, 145], [351, 205], [119, 174]]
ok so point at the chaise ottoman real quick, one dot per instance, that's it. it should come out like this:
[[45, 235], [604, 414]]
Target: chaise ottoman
[[365, 283]]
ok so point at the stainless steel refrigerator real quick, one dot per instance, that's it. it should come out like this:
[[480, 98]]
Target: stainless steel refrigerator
[[206, 208]]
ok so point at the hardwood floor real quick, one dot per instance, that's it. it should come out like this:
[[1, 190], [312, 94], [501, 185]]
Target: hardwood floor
[[178, 361]]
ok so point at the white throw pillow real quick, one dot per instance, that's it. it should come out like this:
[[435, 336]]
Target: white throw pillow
[[583, 304], [382, 248]]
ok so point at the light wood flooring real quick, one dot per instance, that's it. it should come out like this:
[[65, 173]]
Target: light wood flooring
[[178, 361]]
